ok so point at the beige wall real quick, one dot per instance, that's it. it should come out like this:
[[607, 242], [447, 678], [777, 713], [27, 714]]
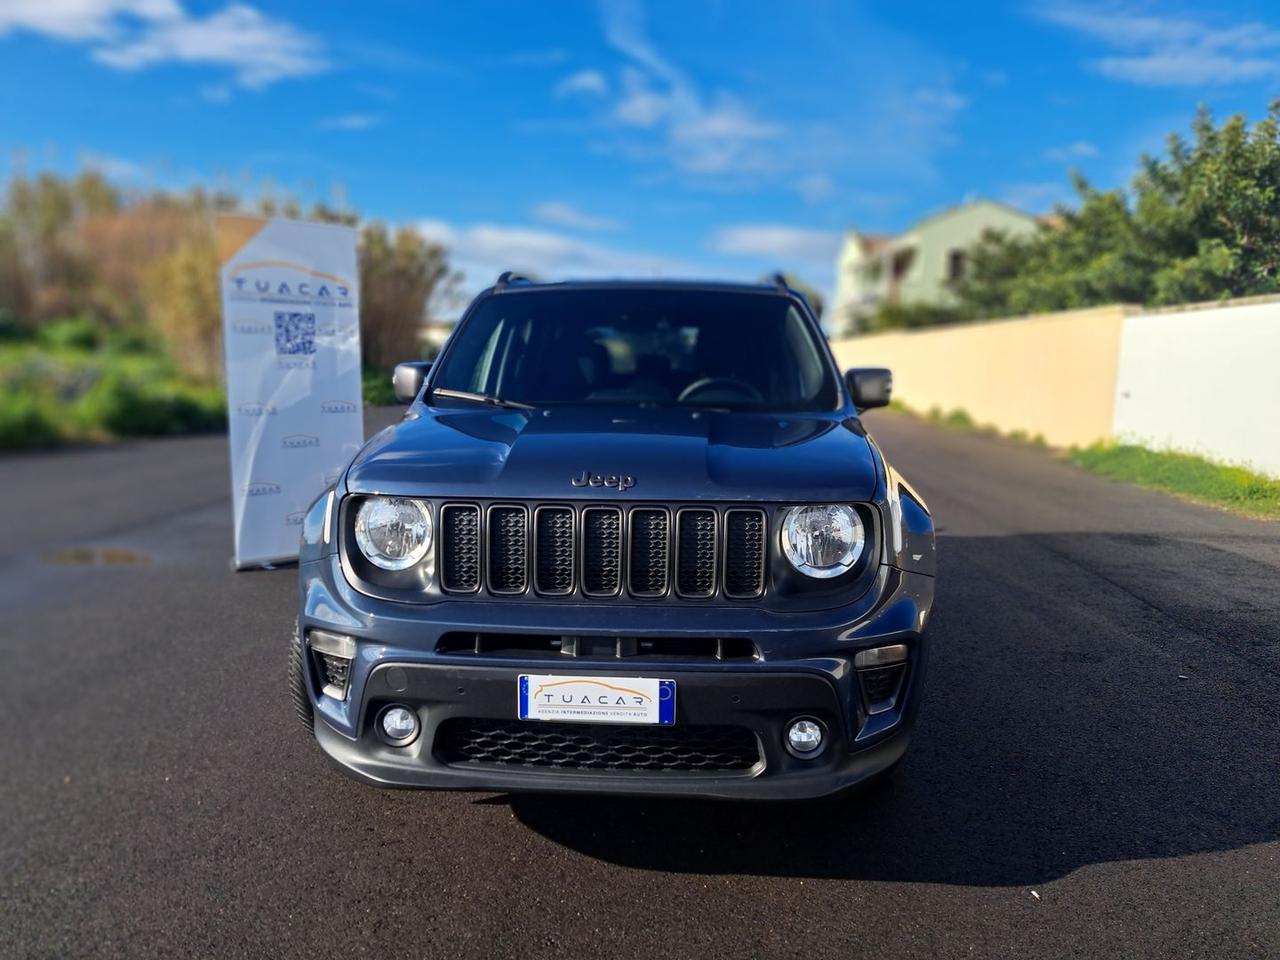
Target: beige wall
[[1053, 375]]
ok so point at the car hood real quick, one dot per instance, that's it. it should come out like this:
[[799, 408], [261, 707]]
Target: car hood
[[670, 454]]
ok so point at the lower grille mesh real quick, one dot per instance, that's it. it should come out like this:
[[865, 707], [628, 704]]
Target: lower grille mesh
[[587, 746]]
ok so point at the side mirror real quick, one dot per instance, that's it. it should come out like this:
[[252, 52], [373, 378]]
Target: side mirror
[[869, 386], [408, 379]]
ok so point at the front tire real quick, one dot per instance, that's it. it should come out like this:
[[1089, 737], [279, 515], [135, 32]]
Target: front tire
[[298, 681]]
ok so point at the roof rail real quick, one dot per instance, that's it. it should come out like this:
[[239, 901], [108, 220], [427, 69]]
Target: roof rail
[[508, 278], [780, 281]]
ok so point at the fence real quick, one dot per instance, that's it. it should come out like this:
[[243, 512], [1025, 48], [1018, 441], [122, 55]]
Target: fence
[[1204, 378]]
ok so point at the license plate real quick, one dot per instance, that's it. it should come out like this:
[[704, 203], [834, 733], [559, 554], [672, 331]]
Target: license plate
[[597, 699]]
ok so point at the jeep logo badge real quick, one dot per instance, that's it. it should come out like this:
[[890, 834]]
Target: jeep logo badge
[[589, 479]]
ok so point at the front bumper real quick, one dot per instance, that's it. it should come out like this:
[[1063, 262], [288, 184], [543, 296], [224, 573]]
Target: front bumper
[[806, 670]]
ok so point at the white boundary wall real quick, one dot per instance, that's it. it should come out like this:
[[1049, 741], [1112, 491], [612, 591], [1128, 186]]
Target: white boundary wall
[[1203, 380]]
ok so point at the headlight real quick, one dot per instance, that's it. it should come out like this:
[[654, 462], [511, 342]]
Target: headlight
[[392, 532], [823, 541]]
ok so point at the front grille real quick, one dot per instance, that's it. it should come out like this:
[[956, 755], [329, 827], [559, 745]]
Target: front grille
[[693, 552], [602, 551], [649, 555], [460, 528], [508, 549], [696, 553], [744, 553], [553, 541], [593, 746]]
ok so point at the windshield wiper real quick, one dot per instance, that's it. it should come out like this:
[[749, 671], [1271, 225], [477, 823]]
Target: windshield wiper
[[480, 398]]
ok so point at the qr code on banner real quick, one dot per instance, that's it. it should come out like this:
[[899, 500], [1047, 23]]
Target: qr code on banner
[[295, 333]]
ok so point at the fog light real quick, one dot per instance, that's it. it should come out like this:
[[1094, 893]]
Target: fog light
[[399, 725], [805, 737]]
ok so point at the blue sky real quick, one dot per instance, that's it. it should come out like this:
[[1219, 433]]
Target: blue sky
[[573, 138]]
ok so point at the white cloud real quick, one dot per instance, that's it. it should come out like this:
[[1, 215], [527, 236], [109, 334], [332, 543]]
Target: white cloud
[[557, 213], [134, 34], [1161, 50], [699, 135], [778, 242], [1079, 150], [586, 82], [484, 250], [258, 49], [81, 20], [349, 121]]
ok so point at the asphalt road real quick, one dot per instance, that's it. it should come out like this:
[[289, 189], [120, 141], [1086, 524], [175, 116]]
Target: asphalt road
[[1096, 771]]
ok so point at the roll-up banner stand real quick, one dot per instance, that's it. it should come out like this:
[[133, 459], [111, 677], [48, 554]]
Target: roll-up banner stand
[[291, 326]]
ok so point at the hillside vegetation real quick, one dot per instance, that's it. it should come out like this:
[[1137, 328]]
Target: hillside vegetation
[[110, 316]]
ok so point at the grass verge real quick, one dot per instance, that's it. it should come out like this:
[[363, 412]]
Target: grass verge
[[1183, 474], [1186, 475]]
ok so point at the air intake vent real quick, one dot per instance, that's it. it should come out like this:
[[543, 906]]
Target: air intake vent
[[691, 748], [602, 551], [696, 553], [553, 548], [460, 546], [508, 549], [649, 552], [744, 553]]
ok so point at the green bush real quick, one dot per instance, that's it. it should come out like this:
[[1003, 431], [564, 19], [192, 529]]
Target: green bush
[[377, 388], [71, 333], [10, 328], [127, 407], [134, 341], [25, 422]]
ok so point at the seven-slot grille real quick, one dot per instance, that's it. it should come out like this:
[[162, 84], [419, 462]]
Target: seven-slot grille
[[603, 551]]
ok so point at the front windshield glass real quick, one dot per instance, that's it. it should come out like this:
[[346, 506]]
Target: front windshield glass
[[696, 348]]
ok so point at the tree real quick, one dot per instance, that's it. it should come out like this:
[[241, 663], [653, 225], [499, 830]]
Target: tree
[[1198, 223], [185, 305], [397, 276]]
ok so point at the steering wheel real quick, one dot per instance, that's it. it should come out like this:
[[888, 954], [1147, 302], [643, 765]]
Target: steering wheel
[[706, 384]]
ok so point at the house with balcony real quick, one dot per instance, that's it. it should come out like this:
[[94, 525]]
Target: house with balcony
[[919, 266]]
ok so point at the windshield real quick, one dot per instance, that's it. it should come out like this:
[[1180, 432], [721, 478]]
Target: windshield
[[697, 348]]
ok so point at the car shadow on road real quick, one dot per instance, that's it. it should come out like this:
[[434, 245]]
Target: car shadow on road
[[1079, 711]]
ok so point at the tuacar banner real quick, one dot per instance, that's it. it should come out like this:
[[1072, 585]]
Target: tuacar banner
[[290, 315]]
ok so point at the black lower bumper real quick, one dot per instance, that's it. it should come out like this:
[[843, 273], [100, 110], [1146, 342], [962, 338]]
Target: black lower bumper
[[751, 706]]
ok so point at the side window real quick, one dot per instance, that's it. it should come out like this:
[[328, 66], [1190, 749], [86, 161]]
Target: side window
[[956, 265]]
